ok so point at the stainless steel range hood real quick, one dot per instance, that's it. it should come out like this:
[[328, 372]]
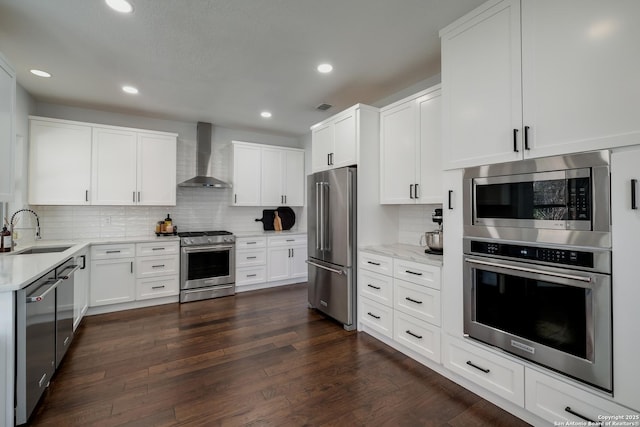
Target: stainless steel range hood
[[203, 158]]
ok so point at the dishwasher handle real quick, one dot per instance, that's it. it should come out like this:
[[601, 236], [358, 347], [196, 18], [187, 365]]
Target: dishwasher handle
[[42, 296], [73, 268]]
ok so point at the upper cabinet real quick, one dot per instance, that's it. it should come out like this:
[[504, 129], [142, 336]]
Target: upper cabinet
[[7, 128], [266, 175], [410, 150], [521, 80], [336, 141], [111, 165]]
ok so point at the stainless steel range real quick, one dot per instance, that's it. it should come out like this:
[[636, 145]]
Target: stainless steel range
[[207, 265]]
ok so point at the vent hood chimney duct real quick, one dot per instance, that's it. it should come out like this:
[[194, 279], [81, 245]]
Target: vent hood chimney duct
[[203, 158]]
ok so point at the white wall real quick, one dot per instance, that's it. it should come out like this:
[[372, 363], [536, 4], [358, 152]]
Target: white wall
[[414, 221], [197, 208]]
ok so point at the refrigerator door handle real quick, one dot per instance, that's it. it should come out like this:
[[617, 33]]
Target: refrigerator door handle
[[333, 270], [326, 209], [318, 243]]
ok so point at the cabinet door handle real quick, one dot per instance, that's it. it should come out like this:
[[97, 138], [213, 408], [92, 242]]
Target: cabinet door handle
[[86, 195], [377, 288], [415, 192], [331, 159], [572, 412], [408, 331], [373, 315], [411, 191], [413, 300], [373, 263], [84, 262], [515, 140], [526, 137], [449, 199], [235, 198], [138, 197], [285, 199], [134, 197], [328, 159], [470, 363], [634, 185], [131, 267]]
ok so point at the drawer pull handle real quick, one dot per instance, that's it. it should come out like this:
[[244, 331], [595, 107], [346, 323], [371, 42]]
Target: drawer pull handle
[[373, 315], [470, 363], [252, 257], [377, 288], [291, 240], [408, 331], [251, 275], [158, 287], [413, 300], [413, 272], [572, 412], [157, 249], [113, 252], [157, 266], [373, 263], [251, 243]]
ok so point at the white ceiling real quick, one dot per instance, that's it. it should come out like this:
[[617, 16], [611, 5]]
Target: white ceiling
[[224, 61]]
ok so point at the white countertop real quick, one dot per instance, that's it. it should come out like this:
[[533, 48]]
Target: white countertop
[[17, 271], [269, 233], [407, 252]]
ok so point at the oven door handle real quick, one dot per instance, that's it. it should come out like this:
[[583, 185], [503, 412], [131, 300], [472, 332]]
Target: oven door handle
[[530, 270], [213, 248]]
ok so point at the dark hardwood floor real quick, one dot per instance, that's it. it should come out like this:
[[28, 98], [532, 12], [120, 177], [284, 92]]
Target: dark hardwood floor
[[256, 359]]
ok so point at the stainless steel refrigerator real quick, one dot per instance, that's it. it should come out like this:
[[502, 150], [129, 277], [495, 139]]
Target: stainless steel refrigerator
[[332, 239]]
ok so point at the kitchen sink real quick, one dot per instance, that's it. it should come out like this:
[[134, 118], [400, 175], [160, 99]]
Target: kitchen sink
[[42, 250]]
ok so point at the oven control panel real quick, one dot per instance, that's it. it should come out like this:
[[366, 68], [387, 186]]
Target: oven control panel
[[534, 253]]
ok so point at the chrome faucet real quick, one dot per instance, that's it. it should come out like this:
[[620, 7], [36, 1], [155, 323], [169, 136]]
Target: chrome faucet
[[11, 224]]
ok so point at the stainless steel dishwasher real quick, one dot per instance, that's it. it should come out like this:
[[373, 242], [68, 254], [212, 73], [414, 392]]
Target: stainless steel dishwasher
[[35, 342], [64, 308]]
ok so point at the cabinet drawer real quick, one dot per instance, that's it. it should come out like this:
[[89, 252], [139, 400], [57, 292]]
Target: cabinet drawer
[[418, 301], [419, 336], [113, 251], [251, 275], [378, 263], [376, 287], [251, 242], [157, 287], [555, 401], [377, 316], [493, 372], [157, 266], [415, 272], [287, 240], [157, 248], [247, 258]]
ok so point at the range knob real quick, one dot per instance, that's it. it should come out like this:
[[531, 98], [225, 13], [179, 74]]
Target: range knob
[[188, 241]]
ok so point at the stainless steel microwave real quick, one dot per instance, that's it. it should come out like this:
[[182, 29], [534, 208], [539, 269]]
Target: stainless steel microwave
[[559, 200]]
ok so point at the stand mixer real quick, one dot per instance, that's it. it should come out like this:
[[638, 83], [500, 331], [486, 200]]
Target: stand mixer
[[433, 239]]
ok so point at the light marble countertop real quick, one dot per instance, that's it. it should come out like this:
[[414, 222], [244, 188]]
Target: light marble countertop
[[406, 252], [269, 233], [18, 271]]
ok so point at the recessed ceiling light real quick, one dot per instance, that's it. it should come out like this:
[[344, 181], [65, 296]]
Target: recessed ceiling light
[[265, 114], [122, 6], [130, 89], [40, 73], [325, 68]]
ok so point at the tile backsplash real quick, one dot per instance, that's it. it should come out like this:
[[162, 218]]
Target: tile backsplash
[[414, 221]]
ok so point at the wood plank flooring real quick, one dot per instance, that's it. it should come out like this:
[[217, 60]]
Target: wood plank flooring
[[256, 359]]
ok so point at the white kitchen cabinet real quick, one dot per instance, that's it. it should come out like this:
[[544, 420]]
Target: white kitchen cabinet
[[512, 91], [625, 229], [156, 169], [114, 163], [251, 261], [247, 166], [335, 142], [286, 256], [7, 128], [111, 165], [157, 269], [452, 264], [133, 168], [559, 402], [282, 180], [81, 280], [59, 162], [113, 277], [410, 150]]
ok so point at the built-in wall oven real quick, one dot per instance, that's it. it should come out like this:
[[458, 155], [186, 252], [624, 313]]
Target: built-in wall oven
[[207, 265], [537, 262]]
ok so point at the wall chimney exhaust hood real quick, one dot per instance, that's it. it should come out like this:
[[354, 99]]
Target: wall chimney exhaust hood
[[203, 158]]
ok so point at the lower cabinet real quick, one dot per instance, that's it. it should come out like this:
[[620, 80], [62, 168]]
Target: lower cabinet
[[273, 260], [129, 272], [400, 299], [81, 280]]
